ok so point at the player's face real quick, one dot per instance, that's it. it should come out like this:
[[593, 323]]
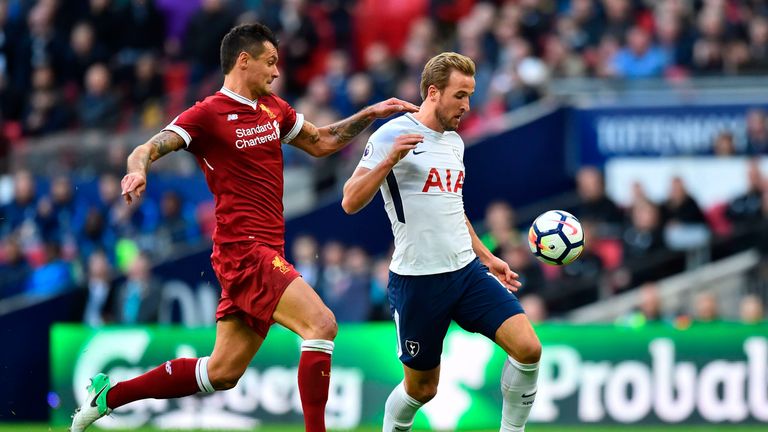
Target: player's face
[[262, 70], [453, 101]]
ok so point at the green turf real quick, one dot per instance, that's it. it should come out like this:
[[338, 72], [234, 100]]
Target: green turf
[[9, 427]]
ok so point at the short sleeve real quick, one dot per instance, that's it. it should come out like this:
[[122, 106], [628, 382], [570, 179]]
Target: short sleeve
[[190, 124], [377, 148], [290, 121]]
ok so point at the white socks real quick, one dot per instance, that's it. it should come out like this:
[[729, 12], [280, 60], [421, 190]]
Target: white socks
[[400, 410], [518, 388]]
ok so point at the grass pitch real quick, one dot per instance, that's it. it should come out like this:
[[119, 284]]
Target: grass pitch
[[19, 427]]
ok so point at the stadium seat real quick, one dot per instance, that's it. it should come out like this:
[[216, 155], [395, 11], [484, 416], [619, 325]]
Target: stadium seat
[[717, 220]]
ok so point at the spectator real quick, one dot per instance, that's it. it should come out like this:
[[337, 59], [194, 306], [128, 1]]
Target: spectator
[[60, 216], [147, 93], [751, 310], [644, 234], [98, 285], [299, 39], [45, 111], [757, 132], [680, 207], [746, 209], [41, 46], [500, 223], [379, 299], [54, 276], [521, 261], [137, 300], [675, 40], [706, 308], [177, 228], [13, 267], [99, 106], [205, 30], [305, 258], [334, 281], [580, 279], [106, 22], [534, 308], [758, 44], [649, 308], [640, 59], [594, 205], [19, 214], [84, 51], [724, 145], [356, 300]]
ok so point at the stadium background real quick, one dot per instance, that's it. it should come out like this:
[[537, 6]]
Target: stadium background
[[646, 119]]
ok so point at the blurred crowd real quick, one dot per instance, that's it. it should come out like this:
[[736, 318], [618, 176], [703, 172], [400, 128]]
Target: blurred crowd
[[65, 239], [121, 65]]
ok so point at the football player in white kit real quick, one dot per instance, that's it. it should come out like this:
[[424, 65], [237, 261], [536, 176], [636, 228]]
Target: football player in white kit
[[440, 270]]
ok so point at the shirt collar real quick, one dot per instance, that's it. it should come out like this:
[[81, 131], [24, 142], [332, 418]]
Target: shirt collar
[[239, 98]]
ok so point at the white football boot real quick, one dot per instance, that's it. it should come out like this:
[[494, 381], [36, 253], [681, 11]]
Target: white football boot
[[95, 405]]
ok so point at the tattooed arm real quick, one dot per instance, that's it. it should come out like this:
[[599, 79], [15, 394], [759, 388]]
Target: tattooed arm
[[135, 181], [326, 140]]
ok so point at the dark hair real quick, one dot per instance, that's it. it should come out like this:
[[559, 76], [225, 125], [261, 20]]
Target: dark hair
[[245, 37]]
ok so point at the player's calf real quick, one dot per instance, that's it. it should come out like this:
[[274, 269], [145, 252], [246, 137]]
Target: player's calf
[[518, 389]]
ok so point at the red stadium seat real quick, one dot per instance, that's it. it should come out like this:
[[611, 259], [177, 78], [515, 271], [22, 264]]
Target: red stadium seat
[[610, 252], [717, 220]]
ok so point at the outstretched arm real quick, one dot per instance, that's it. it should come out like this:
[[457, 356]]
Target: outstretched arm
[[496, 265], [360, 189], [135, 181], [326, 140]]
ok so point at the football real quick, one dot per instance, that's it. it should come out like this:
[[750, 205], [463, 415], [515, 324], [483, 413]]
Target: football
[[556, 237]]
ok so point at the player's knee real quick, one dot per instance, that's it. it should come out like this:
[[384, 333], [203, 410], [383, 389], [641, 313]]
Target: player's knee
[[530, 352], [324, 327], [423, 392], [224, 380]]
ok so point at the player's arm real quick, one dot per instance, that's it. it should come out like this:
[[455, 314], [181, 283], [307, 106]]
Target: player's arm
[[362, 186], [323, 141], [496, 265], [135, 181]]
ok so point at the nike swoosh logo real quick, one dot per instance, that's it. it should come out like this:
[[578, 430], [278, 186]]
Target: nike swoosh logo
[[529, 395], [574, 230], [418, 153], [93, 401]]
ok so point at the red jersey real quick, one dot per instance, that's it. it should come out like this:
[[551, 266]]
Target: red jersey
[[237, 143]]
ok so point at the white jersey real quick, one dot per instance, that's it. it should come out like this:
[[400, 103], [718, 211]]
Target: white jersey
[[423, 198]]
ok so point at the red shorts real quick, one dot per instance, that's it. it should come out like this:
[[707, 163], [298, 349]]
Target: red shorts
[[253, 277]]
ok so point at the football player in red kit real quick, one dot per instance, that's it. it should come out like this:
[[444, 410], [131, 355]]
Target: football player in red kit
[[236, 137]]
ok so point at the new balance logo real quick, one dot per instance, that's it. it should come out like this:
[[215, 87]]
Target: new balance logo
[[231, 117]]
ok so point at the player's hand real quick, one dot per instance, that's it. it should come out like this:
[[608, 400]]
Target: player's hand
[[392, 106], [403, 144], [501, 270], [133, 186]]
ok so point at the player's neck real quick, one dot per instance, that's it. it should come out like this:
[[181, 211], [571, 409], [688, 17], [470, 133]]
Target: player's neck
[[428, 117], [238, 86]]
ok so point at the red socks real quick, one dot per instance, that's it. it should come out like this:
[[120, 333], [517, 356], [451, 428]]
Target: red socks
[[314, 380], [184, 377], [173, 379]]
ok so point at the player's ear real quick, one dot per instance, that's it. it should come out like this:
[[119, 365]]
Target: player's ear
[[432, 93], [242, 59]]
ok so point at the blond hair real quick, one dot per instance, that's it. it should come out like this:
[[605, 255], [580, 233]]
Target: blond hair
[[438, 69]]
